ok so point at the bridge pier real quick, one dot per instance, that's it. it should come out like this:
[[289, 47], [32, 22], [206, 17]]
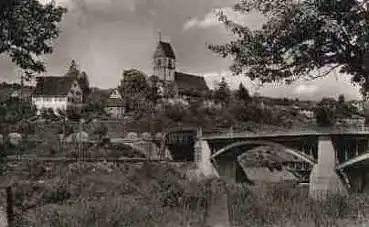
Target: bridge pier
[[203, 159], [324, 180]]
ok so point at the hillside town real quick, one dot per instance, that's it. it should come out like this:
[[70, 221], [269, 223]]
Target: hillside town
[[71, 94], [162, 146]]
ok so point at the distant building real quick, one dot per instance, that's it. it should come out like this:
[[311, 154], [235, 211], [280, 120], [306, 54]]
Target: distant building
[[24, 94], [114, 105], [307, 113], [57, 93], [183, 85]]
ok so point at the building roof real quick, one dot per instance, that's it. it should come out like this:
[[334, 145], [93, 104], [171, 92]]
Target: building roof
[[167, 49], [53, 86], [190, 84], [111, 102]]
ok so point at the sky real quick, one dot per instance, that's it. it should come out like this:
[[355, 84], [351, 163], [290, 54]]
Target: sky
[[106, 37]]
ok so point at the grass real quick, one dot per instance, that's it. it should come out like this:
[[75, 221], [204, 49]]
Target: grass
[[281, 205], [105, 195], [149, 194]]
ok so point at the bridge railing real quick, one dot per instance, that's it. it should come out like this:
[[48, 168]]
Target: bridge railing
[[229, 133]]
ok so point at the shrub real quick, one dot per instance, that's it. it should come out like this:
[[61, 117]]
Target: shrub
[[325, 116], [175, 112]]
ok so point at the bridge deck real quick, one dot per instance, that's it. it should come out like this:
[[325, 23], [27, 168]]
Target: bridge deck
[[327, 132]]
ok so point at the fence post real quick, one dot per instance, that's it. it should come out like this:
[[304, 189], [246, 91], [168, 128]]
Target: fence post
[[9, 206]]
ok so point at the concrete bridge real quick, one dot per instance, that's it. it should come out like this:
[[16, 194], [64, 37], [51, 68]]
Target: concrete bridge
[[331, 160], [335, 160]]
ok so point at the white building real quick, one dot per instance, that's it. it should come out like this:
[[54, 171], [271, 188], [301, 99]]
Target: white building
[[56, 93], [114, 105]]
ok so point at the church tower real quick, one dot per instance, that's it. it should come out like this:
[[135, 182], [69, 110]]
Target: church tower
[[164, 62]]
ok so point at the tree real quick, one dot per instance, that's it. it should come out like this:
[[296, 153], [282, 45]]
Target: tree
[[85, 86], [73, 69], [134, 88], [243, 94], [153, 93], [82, 78], [325, 112], [341, 99], [26, 29], [299, 37], [222, 94]]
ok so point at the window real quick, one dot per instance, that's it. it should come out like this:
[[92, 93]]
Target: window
[[78, 93], [158, 63], [70, 99]]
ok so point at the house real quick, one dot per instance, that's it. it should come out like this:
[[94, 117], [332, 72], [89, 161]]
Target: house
[[114, 105], [184, 85], [56, 93]]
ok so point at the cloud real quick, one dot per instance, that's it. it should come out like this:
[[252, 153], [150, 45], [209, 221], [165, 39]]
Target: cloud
[[211, 19], [58, 2], [108, 36], [213, 78], [305, 89]]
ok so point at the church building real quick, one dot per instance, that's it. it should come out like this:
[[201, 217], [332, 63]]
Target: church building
[[176, 84]]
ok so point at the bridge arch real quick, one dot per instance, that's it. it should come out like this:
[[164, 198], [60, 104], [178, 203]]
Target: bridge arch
[[290, 151], [363, 158]]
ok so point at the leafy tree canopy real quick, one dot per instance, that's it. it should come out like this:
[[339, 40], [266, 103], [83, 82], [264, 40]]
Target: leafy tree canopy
[[222, 94], [26, 29], [243, 94], [341, 99], [82, 78], [299, 37], [134, 81], [134, 89]]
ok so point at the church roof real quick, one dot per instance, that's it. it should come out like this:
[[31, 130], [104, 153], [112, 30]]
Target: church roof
[[53, 86], [167, 49], [190, 84]]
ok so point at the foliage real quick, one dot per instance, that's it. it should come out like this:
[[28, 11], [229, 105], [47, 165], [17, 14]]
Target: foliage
[[15, 110], [285, 205], [175, 112], [101, 130], [243, 94], [325, 112], [222, 94], [153, 93], [26, 29], [149, 195], [73, 113], [134, 88], [65, 128], [48, 114], [341, 99], [299, 37], [82, 78]]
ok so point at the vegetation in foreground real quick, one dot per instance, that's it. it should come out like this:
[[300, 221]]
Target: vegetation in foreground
[[160, 195], [282, 205]]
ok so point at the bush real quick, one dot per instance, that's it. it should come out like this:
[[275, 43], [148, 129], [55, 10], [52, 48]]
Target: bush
[[175, 112], [325, 116]]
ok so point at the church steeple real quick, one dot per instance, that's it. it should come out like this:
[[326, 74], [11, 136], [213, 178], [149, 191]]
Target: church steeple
[[164, 61]]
